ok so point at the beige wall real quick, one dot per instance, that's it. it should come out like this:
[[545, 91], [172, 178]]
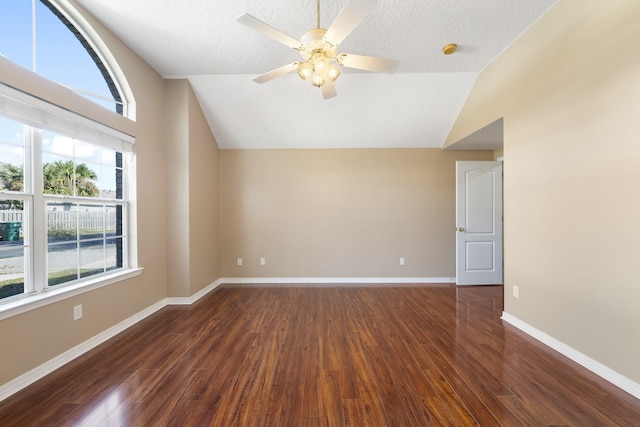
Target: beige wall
[[203, 200], [568, 91], [176, 180], [339, 213], [192, 181]]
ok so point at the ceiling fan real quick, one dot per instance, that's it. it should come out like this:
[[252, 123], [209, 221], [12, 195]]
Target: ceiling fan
[[321, 61]]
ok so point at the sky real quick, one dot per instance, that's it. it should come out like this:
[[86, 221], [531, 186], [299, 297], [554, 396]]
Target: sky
[[59, 57]]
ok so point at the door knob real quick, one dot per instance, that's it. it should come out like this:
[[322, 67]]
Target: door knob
[[461, 229]]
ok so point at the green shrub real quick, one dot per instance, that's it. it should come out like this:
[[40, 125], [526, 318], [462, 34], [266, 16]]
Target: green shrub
[[63, 232]]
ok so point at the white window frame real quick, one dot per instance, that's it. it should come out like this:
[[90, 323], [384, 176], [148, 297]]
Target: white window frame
[[99, 47]]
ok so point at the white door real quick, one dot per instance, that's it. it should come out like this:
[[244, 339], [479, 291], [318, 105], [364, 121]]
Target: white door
[[478, 223]]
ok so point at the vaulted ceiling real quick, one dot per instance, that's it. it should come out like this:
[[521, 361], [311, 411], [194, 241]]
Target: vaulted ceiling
[[201, 41]]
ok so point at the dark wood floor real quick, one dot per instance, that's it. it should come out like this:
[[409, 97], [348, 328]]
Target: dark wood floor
[[324, 356]]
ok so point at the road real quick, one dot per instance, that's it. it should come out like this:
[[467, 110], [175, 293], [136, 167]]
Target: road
[[12, 261]]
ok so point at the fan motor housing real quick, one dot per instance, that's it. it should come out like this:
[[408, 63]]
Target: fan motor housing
[[313, 41]]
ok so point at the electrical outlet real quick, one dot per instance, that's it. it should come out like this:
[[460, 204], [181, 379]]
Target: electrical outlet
[[516, 292], [239, 261], [401, 261], [77, 312], [263, 261]]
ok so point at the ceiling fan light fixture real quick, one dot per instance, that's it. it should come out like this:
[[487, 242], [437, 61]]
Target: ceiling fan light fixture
[[305, 70], [319, 68], [321, 63], [334, 72], [317, 80]]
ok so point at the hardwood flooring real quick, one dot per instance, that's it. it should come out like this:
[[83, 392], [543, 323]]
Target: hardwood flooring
[[324, 356]]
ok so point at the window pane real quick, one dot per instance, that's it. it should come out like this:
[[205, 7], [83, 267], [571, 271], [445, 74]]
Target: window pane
[[85, 152], [11, 218], [11, 174], [12, 249], [57, 175], [75, 168], [11, 132], [108, 183], [61, 57], [84, 239], [11, 155], [86, 178], [57, 144], [114, 254], [108, 157], [11, 270], [112, 215], [63, 263], [111, 174], [15, 32], [91, 221], [92, 259], [62, 236], [62, 222]]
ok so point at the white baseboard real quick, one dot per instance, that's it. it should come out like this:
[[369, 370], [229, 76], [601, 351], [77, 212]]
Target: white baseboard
[[57, 362], [195, 297], [335, 280], [594, 366]]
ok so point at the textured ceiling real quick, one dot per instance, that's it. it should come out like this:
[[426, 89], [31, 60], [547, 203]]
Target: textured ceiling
[[416, 107]]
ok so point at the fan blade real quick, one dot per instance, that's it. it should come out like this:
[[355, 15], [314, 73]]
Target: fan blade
[[329, 90], [348, 19], [262, 78], [368, 63], [269, 31]]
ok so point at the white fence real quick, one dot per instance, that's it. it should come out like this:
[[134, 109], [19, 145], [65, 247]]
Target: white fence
[[68, 220], [10, 216]]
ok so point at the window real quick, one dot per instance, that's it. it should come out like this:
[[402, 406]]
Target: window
[[37, 35], [82, 190], [63, 200], [64, 179]]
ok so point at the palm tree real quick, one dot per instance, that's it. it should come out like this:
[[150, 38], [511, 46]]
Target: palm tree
[[84, 185], [60, 177], [57, 177], [12, 177]]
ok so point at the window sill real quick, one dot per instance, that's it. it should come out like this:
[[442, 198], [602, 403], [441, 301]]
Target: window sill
[[29, 303]]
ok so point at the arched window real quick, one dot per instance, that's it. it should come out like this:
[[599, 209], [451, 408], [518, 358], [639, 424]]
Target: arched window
[[65, 179], [37, 35]]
